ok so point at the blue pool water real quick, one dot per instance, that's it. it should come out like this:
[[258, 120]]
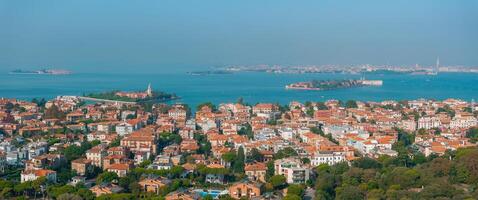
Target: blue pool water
[[213, 193]]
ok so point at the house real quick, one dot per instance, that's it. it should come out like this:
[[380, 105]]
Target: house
[[245, 190], [189, 146], [99, 190], [34, 174], [161, 162], [177, 113], [266, 110], [114, 159], [463, 122], [180, 196], [286, 133], [96, 155], [126, 113], [81, 166], [106, 127], [77, 179], [428, 122], [36, 148], [44, 161], [142, 140], [292, 169], [215, 177], [121, 169], [140, 157], [124, 128], [100, 136], [330, 158], [186, 133], [256, 171], [136, 123], [119, 150], [153, 184]]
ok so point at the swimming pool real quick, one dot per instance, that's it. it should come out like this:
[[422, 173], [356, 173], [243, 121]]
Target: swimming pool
[[213, 193]]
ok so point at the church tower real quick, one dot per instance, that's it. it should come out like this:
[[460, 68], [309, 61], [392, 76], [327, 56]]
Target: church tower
[[472, 105], [149, 91]]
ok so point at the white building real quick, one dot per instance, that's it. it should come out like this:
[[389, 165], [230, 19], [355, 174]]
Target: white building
[[330, 158], [124, 129], [408, 125], [292, 169], [463, 122], [207, 125], [36, 148], [286, 133], [177, 113], [161, 162], [428, 122], [33, 174]]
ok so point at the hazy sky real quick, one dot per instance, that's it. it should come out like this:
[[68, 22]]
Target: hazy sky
[[147, 35]]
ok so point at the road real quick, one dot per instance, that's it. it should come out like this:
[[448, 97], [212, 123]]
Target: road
[[105, 100], [309, 194]]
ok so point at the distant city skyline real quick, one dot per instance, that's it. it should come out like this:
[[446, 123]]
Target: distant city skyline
[[135, 37]]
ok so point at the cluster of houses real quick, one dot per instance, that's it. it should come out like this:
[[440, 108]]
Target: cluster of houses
[[318, 133]]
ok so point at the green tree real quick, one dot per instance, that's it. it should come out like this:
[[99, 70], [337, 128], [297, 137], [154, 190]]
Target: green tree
[[247, 131], [351, 104], [106, 177], [270, 170], [86, 194], [278, 181], [208, 197], [321, 106], [472, 133], [441, 190], [367, 163], [54, 112], [57, 191], [286, 152], [68, 196], [208, 104], [229, 156], [295, 189], [115, 143], [255, 156], [310, 111], [292, 197], [238, 165], [349, 193]]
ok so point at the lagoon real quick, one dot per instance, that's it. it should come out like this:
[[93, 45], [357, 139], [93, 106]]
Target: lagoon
[[252, 87]]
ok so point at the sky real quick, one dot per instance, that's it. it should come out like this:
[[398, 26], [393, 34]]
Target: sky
[[157, 36]]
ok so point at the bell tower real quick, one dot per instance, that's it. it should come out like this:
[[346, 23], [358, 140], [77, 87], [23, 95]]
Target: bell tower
[[149, 91]]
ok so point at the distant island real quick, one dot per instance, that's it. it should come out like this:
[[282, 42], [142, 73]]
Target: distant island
[[43, 71], [136, 97], [354, 69], [332, 84], [211, 72]]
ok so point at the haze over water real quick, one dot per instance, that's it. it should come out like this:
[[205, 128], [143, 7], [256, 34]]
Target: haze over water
[[124, 45], [122, 36]]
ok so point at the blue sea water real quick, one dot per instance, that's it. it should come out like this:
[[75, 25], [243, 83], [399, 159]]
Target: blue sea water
[[252, 87]]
